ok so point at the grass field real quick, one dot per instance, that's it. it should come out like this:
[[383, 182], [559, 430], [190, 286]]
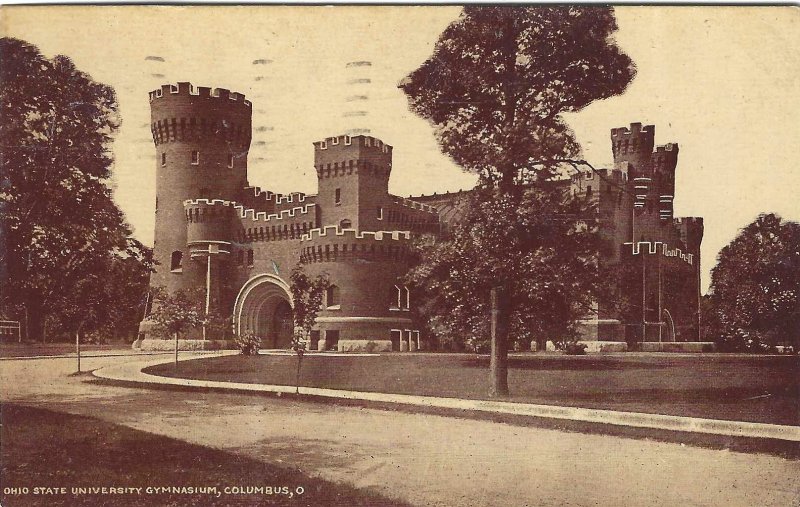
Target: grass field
[[27, 349], [46, 449], [717, 386]]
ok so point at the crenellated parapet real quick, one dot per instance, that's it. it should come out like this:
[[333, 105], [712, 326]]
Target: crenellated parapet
[[202, 92], [252, 225], [345, 155], [658, 247], [408, 203], [691, 232], [183, 113], [332, 244], [635, 141]]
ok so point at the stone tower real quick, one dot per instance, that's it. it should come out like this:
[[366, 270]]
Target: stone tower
[[353, 175], [202, 138]]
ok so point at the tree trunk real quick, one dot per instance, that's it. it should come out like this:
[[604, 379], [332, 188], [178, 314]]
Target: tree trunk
[[78, 348], [176, 351], [498, 364], [34, 319]]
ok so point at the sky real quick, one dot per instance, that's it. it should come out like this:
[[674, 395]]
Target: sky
[[722, 82]]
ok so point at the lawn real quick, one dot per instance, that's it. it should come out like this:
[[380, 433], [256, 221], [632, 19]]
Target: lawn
[[27, 349], [717, 386], [53, 450]]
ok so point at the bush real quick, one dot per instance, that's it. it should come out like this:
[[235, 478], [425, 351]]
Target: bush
[[575, 349], [248, 343]]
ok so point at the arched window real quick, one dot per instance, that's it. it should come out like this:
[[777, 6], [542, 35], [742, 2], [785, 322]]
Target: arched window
[[176, 260], [249, 257], [332, 296], [345, 224]]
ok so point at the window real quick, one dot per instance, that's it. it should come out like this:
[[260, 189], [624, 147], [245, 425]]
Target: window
[[332, 297], [588, 191], [395, 298], [230, 160], [345, 224], [380, 213], [176, 261], [195, 157], [406, 299], [249, 257], [332, 339], [589, 175], [163, 159], [337, 199]]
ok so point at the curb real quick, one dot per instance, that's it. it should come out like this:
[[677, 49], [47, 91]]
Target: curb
[[132, 372], [84, 355]]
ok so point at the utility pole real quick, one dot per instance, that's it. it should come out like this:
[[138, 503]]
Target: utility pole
[[660, 314], [498, 362]]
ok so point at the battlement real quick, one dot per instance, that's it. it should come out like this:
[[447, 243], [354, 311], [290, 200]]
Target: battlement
[[636, 140], [245, 213], [294, 197], [635, 130], [332, 231], [408, 203], [436, 196], [346, 142], [269, 196], [656, 247], [186, 89], [689, 220], [331, 244]]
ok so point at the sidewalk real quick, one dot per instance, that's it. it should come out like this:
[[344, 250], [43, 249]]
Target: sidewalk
[[132, 373]]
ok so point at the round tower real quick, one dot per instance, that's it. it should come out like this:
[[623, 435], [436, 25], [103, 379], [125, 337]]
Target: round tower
[[367, 307], [201, 138]]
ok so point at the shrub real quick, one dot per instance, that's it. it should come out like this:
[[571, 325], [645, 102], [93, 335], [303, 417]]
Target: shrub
[[248, 343], [575, 349]]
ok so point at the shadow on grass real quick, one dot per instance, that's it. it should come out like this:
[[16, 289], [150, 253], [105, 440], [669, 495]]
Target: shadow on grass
[[567, 363], [43, 448]]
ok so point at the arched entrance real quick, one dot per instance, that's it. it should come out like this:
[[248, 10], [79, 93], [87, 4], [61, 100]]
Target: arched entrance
[[264, 307]]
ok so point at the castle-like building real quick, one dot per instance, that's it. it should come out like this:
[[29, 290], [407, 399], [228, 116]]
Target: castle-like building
[[239, 243]]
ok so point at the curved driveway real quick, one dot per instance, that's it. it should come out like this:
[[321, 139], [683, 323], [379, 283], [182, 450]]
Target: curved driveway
[[423, 459]]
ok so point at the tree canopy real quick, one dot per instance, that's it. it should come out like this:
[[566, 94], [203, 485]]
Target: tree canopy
[[495, 89], [500, 79], [755, 287], [61, 227]]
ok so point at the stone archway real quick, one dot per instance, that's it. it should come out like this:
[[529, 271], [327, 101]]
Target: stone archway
[[264, 307]]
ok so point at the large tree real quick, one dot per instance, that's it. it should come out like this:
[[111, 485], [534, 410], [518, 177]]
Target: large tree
[[496, 88], [755, 287], [59, 221]]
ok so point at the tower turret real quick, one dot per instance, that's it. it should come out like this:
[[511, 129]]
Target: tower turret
[[353, 175], [664, 161], [201, 138], [634, 145]]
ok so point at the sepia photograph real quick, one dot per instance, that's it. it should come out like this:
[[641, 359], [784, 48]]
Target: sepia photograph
[[399, 255]]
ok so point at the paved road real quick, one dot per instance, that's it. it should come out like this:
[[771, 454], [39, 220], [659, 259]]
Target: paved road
[[425, 460]]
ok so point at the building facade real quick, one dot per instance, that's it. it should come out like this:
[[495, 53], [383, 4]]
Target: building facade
[[238, 243]]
